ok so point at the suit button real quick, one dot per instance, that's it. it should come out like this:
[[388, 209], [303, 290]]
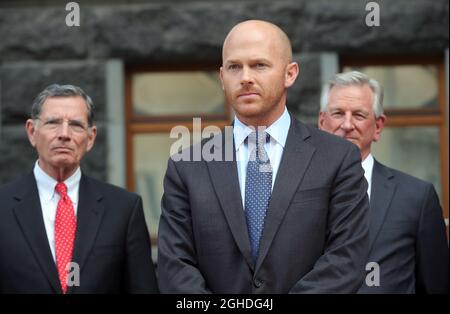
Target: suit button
[[258, 283]]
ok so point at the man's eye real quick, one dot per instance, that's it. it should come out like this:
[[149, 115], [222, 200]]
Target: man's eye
[[260, 65], [76, 125], [52, 122]]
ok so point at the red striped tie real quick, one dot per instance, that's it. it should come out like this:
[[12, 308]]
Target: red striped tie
[[65, 226]]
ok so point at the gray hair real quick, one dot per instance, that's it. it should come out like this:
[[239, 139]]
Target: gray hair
[[56, 90], [354, 78]]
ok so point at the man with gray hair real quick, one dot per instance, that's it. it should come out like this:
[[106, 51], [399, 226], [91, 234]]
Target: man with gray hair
[[60, 230], [407, 231]]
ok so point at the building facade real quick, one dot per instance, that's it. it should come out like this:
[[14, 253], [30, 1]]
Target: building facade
[[153, 65]]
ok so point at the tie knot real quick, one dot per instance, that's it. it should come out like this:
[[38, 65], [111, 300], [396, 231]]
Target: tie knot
[[61, 188], [256, 141], [259, 137]]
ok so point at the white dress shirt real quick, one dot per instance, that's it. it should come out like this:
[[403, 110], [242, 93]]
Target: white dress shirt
[[49, 199], [278, 132], [367, 165]]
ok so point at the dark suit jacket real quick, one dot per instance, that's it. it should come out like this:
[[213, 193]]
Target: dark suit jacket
[[407, 234], [112, 244], [315, 237]]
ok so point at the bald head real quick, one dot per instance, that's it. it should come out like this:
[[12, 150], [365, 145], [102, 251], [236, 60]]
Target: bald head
[[256, 71], [257, 30]]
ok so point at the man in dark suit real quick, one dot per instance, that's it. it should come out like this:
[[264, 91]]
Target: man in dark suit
[[61, 231], [281, 208], [407, 232]]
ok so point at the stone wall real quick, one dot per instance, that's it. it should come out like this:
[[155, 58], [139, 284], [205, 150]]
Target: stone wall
[[190, 31], [37, 49], [20, 82]]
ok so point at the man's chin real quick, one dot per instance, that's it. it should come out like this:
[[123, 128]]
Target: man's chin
[[249, 110], [354, 141], [62, 161]]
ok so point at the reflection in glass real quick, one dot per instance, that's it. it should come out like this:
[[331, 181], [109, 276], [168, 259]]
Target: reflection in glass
[[405, 86], [177, 93], [414, 150], [151, 152]]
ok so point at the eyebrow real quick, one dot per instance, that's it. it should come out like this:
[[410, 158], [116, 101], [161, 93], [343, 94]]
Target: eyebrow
[[365, 112], [255, 60], [361, 110], [59, 118]]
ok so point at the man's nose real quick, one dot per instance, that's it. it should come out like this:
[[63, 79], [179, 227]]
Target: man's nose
[[246, 78], [64, 130], [347, 123]]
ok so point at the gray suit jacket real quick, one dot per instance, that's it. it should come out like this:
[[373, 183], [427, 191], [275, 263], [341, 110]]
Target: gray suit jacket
[[407, 234], [315, 238]]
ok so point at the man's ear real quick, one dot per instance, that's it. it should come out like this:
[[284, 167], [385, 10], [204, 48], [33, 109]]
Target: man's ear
[[30, 127], [292, 71], [221, 77], [379, 126], [320, 120], [92, 134]]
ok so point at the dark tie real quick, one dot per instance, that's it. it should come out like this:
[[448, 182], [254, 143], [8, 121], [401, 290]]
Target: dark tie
[[258, 188]]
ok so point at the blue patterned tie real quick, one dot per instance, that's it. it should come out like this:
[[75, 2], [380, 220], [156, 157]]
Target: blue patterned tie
[[258, 188]]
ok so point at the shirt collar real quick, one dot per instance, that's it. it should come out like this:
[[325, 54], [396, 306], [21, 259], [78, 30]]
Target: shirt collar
[[367, 165], [47, 184], [280, 128], [240, 132], [277, 130]]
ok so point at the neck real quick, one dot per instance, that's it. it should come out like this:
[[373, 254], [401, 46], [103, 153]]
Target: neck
[[266, 120], [364, 155], [60, 174]]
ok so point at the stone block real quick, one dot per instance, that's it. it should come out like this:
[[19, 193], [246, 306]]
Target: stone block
[[21, 82]]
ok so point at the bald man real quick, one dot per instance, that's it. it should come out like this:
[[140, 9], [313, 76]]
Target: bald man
[[287, 213]]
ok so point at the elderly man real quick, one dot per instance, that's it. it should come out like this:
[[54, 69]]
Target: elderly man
[[407, 232], [61, 231], [284, 215]]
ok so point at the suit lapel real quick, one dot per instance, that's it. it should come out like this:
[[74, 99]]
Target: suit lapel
[[226, 184], [89, 215], [295, 160], [29, 216], [383, 189]]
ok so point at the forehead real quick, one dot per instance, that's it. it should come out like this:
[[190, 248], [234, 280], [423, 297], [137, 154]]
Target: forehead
[[73, 107], [252, 43], [354, 96]]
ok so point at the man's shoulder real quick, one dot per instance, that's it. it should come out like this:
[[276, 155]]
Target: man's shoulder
[[220, 146], [403, 177], [108, 189], [412, 196], [321, 138], [18, 184]]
